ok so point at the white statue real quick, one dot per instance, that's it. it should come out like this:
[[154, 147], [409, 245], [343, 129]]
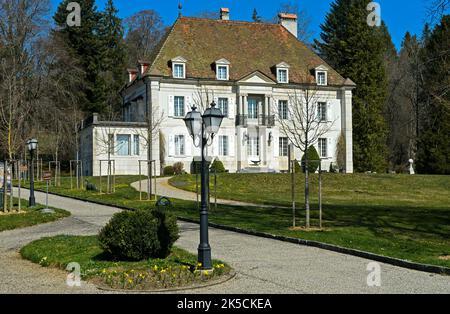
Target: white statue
[[411, 169]]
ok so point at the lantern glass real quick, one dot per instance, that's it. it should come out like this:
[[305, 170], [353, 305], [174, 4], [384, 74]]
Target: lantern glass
[[193, 121], [212, 118]]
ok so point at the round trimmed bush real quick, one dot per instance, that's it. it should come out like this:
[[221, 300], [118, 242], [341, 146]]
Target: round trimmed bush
[[168, 171], [313, 159], [139, 235], [217, 166]]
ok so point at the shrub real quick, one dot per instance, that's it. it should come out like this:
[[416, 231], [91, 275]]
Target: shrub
[[298, 169], [90, 186], [168, 171], [217, 166], [178, 168], [313, 159], [139, 235], [196, 166]]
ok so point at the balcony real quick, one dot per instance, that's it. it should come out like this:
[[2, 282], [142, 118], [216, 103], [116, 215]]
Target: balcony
[[263, 120]]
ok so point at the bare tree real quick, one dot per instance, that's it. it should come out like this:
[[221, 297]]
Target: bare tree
[[304, 126], [143, 32], [21, 25], [437, 8]]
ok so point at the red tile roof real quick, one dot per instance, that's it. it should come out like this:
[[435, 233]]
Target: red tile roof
[[248, 46]]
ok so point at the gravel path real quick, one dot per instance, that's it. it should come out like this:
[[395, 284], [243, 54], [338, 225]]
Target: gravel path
[[163, 188], [263, 265]]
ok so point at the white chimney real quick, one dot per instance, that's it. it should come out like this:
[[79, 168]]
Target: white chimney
[[224, 14], [289, 21]]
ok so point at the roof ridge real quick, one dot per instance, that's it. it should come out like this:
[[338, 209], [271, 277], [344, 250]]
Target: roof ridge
[[229, 21]]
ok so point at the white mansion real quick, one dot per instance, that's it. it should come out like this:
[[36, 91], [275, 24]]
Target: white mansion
[[249, 69]]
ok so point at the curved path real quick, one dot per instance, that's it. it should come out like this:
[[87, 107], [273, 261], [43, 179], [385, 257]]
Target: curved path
[[164, 188], [263, 265]]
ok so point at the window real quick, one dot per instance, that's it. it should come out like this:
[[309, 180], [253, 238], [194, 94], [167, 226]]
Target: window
[[321, 78], [223, 145], [136, 148], [222, 72], [283, 109], [284, 146], [322, 111], [252, 108], [179, 106], [282, 76], [223, 106], [179, 145], [323, 149], [178, 70], [123, 144]]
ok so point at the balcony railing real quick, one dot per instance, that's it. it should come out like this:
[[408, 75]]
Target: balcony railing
[[262, 120]]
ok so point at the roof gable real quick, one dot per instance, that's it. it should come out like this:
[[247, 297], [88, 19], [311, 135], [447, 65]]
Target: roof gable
[[257, 77]]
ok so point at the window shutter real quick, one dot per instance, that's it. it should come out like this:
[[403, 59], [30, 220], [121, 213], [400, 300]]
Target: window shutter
[[187, 145], [215, 146], [231, 108], [329, 148], [171, 105], [188, 103], [276, 143], [171, 145], [231, 145]]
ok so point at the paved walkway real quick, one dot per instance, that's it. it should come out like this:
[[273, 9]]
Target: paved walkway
[[164, 188], [263, 265]]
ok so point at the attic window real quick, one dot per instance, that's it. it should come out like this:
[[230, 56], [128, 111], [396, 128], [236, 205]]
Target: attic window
[[282, 73], [322, 78], [322, 75], [222, 70], [179, 67], [178, 70]]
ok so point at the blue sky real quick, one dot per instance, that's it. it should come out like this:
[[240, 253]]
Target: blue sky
[[399, 15]]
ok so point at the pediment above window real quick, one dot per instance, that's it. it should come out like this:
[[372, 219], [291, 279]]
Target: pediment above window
[[256, 77]]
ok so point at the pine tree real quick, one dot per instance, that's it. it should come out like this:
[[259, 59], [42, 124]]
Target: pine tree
[[434, 141], [85, 44], [357, 51], [112, 56]]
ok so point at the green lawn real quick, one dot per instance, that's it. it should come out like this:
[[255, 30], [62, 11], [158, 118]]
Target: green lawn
[[174, 271], [406, 217], [28, 216]]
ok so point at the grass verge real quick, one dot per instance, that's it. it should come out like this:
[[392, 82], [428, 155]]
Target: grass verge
[[28, 216], [406, 217], [175, 271]]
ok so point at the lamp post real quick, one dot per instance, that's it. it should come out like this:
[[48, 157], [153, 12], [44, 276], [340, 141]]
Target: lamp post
[[32, 146], [202, 129]]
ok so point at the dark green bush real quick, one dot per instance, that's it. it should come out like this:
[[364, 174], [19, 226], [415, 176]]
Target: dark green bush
[[313, 159], [217, 166], [196, 166], [139, 235], [168, 171], [178, 168]]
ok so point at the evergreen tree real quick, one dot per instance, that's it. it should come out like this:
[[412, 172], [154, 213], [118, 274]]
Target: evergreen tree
[[434, 141], [84, 44], [357, 51], [112, 56]]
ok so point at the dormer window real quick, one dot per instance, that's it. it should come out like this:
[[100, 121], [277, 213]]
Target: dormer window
[[179, 68], [322, 75], [222, 70], [282, 73]]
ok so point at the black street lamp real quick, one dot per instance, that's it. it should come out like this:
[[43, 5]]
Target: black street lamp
[[202, 129], [32, 146]]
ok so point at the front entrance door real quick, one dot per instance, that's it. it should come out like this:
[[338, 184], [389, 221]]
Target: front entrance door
[[253, 150]]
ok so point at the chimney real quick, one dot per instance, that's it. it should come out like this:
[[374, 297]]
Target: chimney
[[132, 75], [289, 21], [224, 14], [143, 66]]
